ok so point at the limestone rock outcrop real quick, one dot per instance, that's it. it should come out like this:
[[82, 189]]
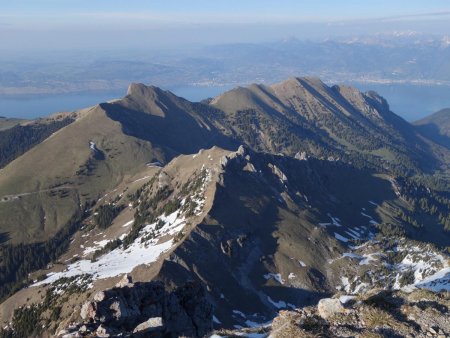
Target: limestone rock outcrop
[[138, 309]]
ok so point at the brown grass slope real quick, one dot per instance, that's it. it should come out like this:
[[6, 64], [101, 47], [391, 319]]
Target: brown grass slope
[[42, 189]]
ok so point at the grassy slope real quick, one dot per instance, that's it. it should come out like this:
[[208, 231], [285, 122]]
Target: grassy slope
[[151, 124], [42, 189], [53, 165]]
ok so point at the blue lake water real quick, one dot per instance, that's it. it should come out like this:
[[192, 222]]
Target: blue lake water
[[32, 106], [412, 102], [409, 101]]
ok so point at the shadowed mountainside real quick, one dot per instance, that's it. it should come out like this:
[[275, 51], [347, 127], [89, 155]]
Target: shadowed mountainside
[[436, 127]]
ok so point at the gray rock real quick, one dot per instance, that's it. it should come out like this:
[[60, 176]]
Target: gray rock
[[241, 150], [224, 161], [103, 332], [125, 281], [87, 311], [301, 156], [148, 307], [328, 307], [62, 333], [153, 324], [99, 296], [163, 180]]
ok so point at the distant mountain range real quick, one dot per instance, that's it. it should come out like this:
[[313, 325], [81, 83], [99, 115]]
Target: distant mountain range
[[395, 58], [270, 196]]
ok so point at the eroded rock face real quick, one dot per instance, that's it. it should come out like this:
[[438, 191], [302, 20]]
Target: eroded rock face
[[141, 308], [87, 311]]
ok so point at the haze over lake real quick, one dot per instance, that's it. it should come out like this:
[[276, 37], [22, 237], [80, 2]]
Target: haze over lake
[[412, 102]]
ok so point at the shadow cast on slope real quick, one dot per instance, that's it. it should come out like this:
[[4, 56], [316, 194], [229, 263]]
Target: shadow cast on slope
[[412, 146], [236, 245], [432, 132], [4, 237], [234, 248], [176, 133]]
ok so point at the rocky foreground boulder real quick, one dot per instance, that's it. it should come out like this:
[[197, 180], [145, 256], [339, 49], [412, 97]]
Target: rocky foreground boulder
[[378, 314], [144, 310]]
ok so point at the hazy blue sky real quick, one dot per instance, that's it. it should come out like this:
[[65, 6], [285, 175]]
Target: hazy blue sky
[[204, 10], [62, 24]]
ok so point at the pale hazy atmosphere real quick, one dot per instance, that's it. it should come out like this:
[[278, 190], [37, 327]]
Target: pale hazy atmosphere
[[69, 54], [224, 169]]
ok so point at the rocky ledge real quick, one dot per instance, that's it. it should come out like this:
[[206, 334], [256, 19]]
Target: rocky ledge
[[377, 314], [144, 310]]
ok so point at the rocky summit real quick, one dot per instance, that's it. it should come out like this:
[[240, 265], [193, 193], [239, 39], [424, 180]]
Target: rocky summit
[[143, 309]]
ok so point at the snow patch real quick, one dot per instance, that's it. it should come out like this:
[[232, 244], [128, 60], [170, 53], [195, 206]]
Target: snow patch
[[113, 263], [345, 283], [98, 245], [279, 305], [141, 179], [365, 215], [239, 313], [351, 255], [335, 220], [341, 238], [275, 276], [128, 224], [346, 298], [144, 250]]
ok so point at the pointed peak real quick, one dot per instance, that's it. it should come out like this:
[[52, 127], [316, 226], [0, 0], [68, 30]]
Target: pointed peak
[[298, 82], [149, 99], [140, 89]]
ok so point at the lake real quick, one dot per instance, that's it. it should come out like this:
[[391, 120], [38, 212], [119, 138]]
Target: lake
[[412, 102], [33, 106]]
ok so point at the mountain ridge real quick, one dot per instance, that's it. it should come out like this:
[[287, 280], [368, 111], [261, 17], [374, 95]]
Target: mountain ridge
[[297, 116], [272, 197]]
